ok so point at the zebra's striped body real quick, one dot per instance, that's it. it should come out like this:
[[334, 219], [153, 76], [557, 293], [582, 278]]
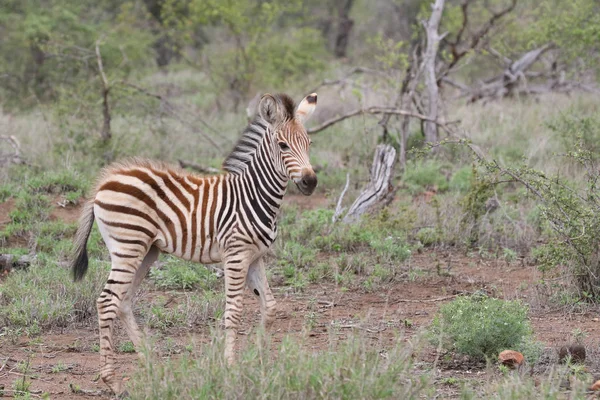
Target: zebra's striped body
[[142, 208]]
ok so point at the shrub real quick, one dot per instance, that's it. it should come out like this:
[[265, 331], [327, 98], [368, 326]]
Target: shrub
[[569, 207], [481, 327], [424, 175], [461, 179]]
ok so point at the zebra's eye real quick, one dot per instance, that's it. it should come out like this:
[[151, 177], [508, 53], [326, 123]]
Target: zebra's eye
[[284, 146]]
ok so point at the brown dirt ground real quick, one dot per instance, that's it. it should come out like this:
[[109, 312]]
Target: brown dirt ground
[[401, 308]]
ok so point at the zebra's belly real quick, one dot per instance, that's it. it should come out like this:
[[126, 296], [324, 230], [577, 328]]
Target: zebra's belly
[[207, 254]]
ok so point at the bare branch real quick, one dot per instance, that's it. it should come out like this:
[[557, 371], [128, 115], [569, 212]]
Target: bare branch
[[338, 209], [379, 110], [344, 78], [457, 55], [106, 132], [173, 112]]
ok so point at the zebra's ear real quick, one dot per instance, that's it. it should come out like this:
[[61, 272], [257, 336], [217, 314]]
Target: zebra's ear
[[270, 109], [306, 107]]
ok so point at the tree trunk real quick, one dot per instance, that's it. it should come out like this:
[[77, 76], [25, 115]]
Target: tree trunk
[[379, 192], [433, 41], [345, 25]]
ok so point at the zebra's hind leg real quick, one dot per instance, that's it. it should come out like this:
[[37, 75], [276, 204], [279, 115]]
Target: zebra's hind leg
[[257, 282], [125, 312], [115, 301], [108, 305]]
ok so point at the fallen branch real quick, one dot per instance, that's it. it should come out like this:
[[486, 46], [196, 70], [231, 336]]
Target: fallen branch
[[380, 110], [197, 167], [87, 392], [425, 300]]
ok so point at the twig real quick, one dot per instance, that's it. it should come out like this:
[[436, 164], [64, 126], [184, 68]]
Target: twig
[[173, 111], [199, 168], [424, 300], [106, 132], [86, 392], [343, 79], [379, 110], [338, 209], [21, 393]]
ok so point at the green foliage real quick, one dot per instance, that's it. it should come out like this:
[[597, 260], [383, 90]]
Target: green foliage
[[178, 274], [461, 179], [29, 216], [423, 175], [347, 370], [45, 295], [570, 208], [474, 204], [51, 47], [127, 347], [482, 327], [262, 56]]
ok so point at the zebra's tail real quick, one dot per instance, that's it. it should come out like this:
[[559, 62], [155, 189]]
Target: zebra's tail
[[80, 256]]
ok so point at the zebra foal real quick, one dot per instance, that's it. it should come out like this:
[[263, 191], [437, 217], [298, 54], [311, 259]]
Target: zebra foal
[[143, 208]]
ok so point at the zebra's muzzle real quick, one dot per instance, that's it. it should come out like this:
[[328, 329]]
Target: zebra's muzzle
[[307, 183]]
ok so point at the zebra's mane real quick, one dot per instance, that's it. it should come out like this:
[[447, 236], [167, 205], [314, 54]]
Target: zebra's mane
[[252, 137]]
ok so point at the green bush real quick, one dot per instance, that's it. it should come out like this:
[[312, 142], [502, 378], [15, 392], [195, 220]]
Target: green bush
[[482, 327], [461, 179], [424, 175]]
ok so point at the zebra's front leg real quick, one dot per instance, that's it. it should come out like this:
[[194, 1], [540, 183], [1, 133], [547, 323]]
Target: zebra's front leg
[[236, 269], [257, 282]]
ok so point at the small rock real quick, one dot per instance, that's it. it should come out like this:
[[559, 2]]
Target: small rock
[[595, 386], [576, 351], [511, 358]]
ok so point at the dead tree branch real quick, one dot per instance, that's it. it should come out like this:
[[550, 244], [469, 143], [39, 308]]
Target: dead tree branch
[[197, 167], [338, 208], [433, 41], [106, 131], [379, 110], [458, 49], [379, 192], [507, 82]]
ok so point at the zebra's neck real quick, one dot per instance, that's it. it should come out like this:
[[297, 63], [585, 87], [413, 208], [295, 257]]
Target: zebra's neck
[[264, 185]]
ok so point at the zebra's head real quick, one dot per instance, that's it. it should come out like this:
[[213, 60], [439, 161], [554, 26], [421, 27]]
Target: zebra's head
[[290, 140]]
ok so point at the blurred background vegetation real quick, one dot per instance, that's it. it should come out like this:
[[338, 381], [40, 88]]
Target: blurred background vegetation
[[84, 83]]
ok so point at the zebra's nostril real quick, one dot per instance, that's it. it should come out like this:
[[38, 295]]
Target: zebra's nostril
[[304, 182]]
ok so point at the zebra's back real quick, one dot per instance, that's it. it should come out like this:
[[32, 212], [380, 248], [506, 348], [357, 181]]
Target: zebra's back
[[141, 203]]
